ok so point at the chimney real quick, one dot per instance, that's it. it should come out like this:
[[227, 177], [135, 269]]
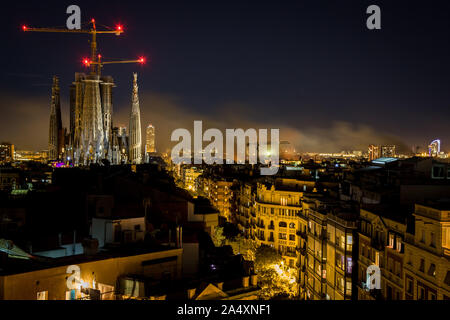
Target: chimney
[[191, 293], [245, 281]]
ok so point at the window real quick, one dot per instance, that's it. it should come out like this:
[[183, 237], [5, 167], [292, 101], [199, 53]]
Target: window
[[43, 295], [391, 240], [349, 243], [340, 262], [390, 264], [431, 296], [389, 292], [438, 172], [291, 237], [422, 239], [292, 225], [433, 240], [421, 293], [432, 270], [447, 278], [282, 224], [422, 265], [349, 265], [399, 244], [348, 288], [71, 294], [377, 258], [397, 268], [137, 227], [282, 236], [409, 286], [106, 291]]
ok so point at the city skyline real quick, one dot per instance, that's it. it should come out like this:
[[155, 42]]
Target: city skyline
[[245, 153], [304, 102]]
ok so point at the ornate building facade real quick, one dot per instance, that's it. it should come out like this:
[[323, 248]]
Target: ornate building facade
[[55, 138], [135, 126]]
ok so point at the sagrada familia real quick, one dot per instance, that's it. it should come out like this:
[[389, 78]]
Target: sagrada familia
[[92, 138]]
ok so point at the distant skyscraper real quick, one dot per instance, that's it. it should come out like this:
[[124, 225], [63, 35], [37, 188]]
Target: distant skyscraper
[[434, 148], [55, 140], [388, 151], [135, 126], [150, 140], [374, 152], [6, 152]]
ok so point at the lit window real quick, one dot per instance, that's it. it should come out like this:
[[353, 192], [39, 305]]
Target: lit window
[[43, 295], [432, 270], [391, 240]]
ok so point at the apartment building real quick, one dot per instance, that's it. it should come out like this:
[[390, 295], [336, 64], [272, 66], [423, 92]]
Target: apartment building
[[219, 191], [427, 253], [277, 224], [342, 254], [382, 235]]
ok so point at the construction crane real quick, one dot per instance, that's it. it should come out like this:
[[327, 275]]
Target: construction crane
[[95, 62]]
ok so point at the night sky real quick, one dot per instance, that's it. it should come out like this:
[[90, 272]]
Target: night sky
[[311, 68]]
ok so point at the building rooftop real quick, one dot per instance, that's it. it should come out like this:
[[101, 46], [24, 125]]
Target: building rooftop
[[16, 266]]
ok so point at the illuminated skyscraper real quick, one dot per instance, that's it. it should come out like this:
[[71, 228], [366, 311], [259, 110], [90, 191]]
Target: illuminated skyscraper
[[55, 141], [388, 151], [374, 152], [434, 148], [6, 152], [135, 126], [150, 140]]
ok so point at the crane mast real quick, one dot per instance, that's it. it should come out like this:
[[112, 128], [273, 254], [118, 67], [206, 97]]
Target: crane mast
[[91, 131], [95, 64]]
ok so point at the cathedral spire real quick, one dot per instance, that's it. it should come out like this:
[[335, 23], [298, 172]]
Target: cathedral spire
[[135, 126], [55, 128]]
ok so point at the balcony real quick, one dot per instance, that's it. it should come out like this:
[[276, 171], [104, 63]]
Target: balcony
[[303, 235], [302, 251], [289, 254], [261, 238]]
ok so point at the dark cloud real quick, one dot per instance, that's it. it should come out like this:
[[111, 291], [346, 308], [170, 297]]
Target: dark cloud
[[24, 122]]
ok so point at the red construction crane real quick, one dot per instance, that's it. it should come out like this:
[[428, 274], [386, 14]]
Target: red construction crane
[[95, 62]]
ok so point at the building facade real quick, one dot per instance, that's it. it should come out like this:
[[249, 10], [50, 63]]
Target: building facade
[[427, 254]]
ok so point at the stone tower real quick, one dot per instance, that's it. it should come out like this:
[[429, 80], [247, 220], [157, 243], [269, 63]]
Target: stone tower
[[55, 141], [135, 133]]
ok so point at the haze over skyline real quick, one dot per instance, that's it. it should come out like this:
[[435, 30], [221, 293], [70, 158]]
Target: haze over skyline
[[311, 69]]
